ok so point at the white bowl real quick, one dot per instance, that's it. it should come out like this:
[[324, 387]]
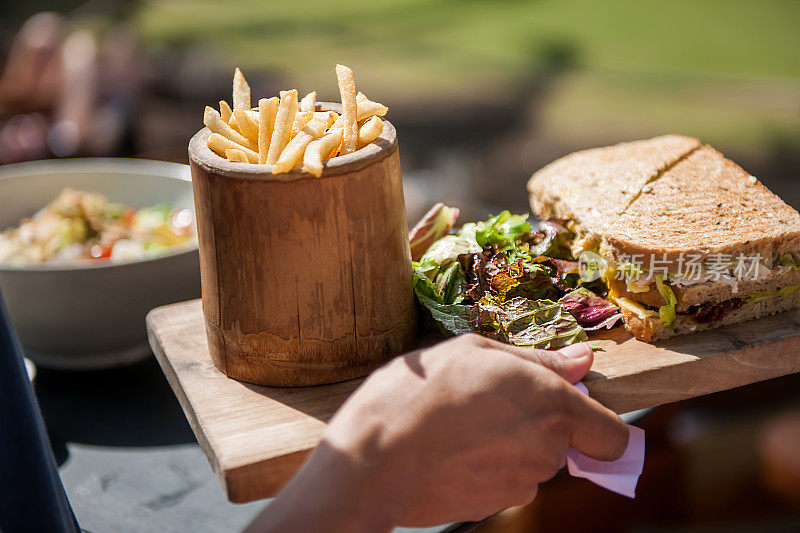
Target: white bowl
[[92, 315]]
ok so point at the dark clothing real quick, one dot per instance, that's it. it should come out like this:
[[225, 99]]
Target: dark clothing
[[32, 497]]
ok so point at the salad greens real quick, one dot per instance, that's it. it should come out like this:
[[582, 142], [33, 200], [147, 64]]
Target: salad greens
[[438, 221], [666, 312], [786, 259], [590, 310], [505, 278], [445, 250], [525, 322]]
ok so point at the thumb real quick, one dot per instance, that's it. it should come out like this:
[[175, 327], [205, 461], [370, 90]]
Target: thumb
[[571, 362], [574, 362]]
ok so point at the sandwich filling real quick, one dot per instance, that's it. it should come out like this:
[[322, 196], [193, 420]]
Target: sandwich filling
[[705, 292]]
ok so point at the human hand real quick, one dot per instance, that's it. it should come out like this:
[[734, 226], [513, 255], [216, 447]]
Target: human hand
[[454, 432]]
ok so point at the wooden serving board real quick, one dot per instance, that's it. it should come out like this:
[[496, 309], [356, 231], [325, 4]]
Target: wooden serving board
[[256, 437]]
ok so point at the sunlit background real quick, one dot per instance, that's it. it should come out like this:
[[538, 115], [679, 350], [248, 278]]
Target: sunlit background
[[482, 95]]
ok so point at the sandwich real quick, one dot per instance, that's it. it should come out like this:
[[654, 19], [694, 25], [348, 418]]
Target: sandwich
[[685, 239]]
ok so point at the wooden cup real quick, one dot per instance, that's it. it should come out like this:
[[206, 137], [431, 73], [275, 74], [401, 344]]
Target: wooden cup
[[305, 280]]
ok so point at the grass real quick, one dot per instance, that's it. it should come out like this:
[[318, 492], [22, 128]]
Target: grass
[[488, 39], [636, 60], [746, 115]]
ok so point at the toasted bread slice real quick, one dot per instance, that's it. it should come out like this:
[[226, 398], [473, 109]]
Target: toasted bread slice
[[669, 198], [704, 205], [593, 187], [652, 329]]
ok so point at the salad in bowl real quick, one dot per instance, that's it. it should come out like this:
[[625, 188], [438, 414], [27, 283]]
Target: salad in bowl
[[87, 226]]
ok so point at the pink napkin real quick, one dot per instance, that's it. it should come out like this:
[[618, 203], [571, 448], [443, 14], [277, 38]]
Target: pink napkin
[[620, 476]]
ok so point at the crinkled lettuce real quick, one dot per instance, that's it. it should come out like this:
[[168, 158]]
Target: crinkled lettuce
[[787, 259], [529, 280], [441, 297], [590, 311], [763, 295], [446, 250], [502, 233], [436, 223], [502, 230], [556, 241], [493, 278], [666, 313], [449, 286], [539, 323]]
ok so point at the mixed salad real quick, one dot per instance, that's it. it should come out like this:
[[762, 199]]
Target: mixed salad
[[80, 225], [506, 279]]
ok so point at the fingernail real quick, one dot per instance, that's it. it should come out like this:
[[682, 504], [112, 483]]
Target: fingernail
[[576, 351]]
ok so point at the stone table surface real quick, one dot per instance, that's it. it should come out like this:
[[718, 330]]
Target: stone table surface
[[127, 457]]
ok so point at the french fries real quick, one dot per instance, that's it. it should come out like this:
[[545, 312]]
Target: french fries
[[338, 123], [233, 124], [367, 108], [347, 90], [290, 134], [214, 122], [267, 109], [220, 144], [247, 126], [241, 91], [320, 149], [331, 116], [236, 155], [301, 118], [225, 110], [369, 131], [309, 102], [296, 147], [253, 113], [284, 119]]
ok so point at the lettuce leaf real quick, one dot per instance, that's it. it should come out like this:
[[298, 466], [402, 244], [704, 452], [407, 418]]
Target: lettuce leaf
[[787, 259], [524, 322], [436, 223], [442, 297], [448, 287], [502, 233], [556, 241], [502, 230], [666, 313], [532, 281], [590, 311], [451, 284], [446, 250], [451, 319]]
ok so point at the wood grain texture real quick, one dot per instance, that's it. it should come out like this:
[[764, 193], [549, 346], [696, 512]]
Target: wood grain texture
[[305, 280], [256, 437]]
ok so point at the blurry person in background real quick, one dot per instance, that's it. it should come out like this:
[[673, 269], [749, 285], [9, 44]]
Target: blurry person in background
[[67, 92]]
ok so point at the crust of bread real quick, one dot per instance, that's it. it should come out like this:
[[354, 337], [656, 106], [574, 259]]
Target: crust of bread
[[668, 198], [704, 205], [593, 187], [652, 329], [709, 292]]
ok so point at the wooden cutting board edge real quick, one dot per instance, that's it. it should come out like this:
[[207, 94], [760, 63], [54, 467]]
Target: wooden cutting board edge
[[263, 477], [775, 363]]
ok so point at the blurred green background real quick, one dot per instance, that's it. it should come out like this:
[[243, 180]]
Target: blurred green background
[[481, 89], [727, 71]]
